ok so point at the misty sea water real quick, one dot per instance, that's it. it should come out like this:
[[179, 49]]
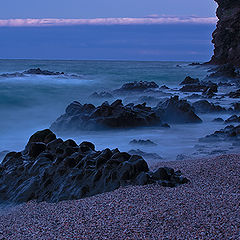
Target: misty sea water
[[33, 102]]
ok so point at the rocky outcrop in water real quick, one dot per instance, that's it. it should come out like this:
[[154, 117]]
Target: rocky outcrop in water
[[137, 86], [227, 34], [50, 169], [229, 133], [106, 116], [203, 106], [175, 110], [38, 71]]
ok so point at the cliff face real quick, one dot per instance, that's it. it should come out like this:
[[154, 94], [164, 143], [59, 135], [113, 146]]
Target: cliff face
[[226, 37]]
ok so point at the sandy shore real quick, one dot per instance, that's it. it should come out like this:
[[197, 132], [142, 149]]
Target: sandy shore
[[206, 208]]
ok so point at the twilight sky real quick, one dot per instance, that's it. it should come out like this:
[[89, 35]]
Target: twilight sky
[[104, 8], [107, 29]]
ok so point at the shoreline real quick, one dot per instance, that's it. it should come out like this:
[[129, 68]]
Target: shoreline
[[206, 208]]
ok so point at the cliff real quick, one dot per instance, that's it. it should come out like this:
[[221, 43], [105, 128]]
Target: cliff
[[226, 37]]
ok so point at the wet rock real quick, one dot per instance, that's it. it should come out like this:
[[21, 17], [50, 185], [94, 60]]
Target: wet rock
[[137, 86], [203, 106], [190, 81], [224, 71], [11, 75], [143, 142], [38, 71], [52, 176], [174, 110], [218, 120], [106, 116], [229, 133], [232, 119], [235, 94], [164, 87]]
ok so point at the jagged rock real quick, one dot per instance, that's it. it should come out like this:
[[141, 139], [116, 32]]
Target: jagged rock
[[235, 94], [189, 80], [143, 142], [203, 106], [38, 71], [227, 34], [174, 110], [137, 86], [62, 170], [229, 133], [232, 119], [101, 95], [116, 115]]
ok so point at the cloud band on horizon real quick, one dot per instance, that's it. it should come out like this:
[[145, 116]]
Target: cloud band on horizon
[[105, 21]]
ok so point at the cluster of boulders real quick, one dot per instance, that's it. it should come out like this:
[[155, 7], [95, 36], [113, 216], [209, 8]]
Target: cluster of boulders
[[38, 71], [117, 115], [50, 169], [32, 71], [229, 133], [190, 84]]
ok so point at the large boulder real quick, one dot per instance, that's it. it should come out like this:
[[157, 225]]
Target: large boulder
[[203, 106], [63, 170], [115, 115], [174, 110]]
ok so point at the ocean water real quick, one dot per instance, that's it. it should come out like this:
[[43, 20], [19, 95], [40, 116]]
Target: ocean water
[[32, 103]]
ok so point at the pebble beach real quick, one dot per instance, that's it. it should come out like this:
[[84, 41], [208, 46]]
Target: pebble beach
[[206, 208]]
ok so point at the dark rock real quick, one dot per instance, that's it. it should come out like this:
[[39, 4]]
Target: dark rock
[[235, 94], [236, 107], [164, 87], [203, 106], [227, 34], [101, 95], [116, 115], [11, 75], [229, 133], [174, 110], [38, 71], [143, 142], [194, 64], [232, 119], [137, 86], [189, 80], [224, 71], [218, 120], [43, 175]]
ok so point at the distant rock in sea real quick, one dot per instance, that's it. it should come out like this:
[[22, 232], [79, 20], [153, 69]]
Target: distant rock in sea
[[50, 169]]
